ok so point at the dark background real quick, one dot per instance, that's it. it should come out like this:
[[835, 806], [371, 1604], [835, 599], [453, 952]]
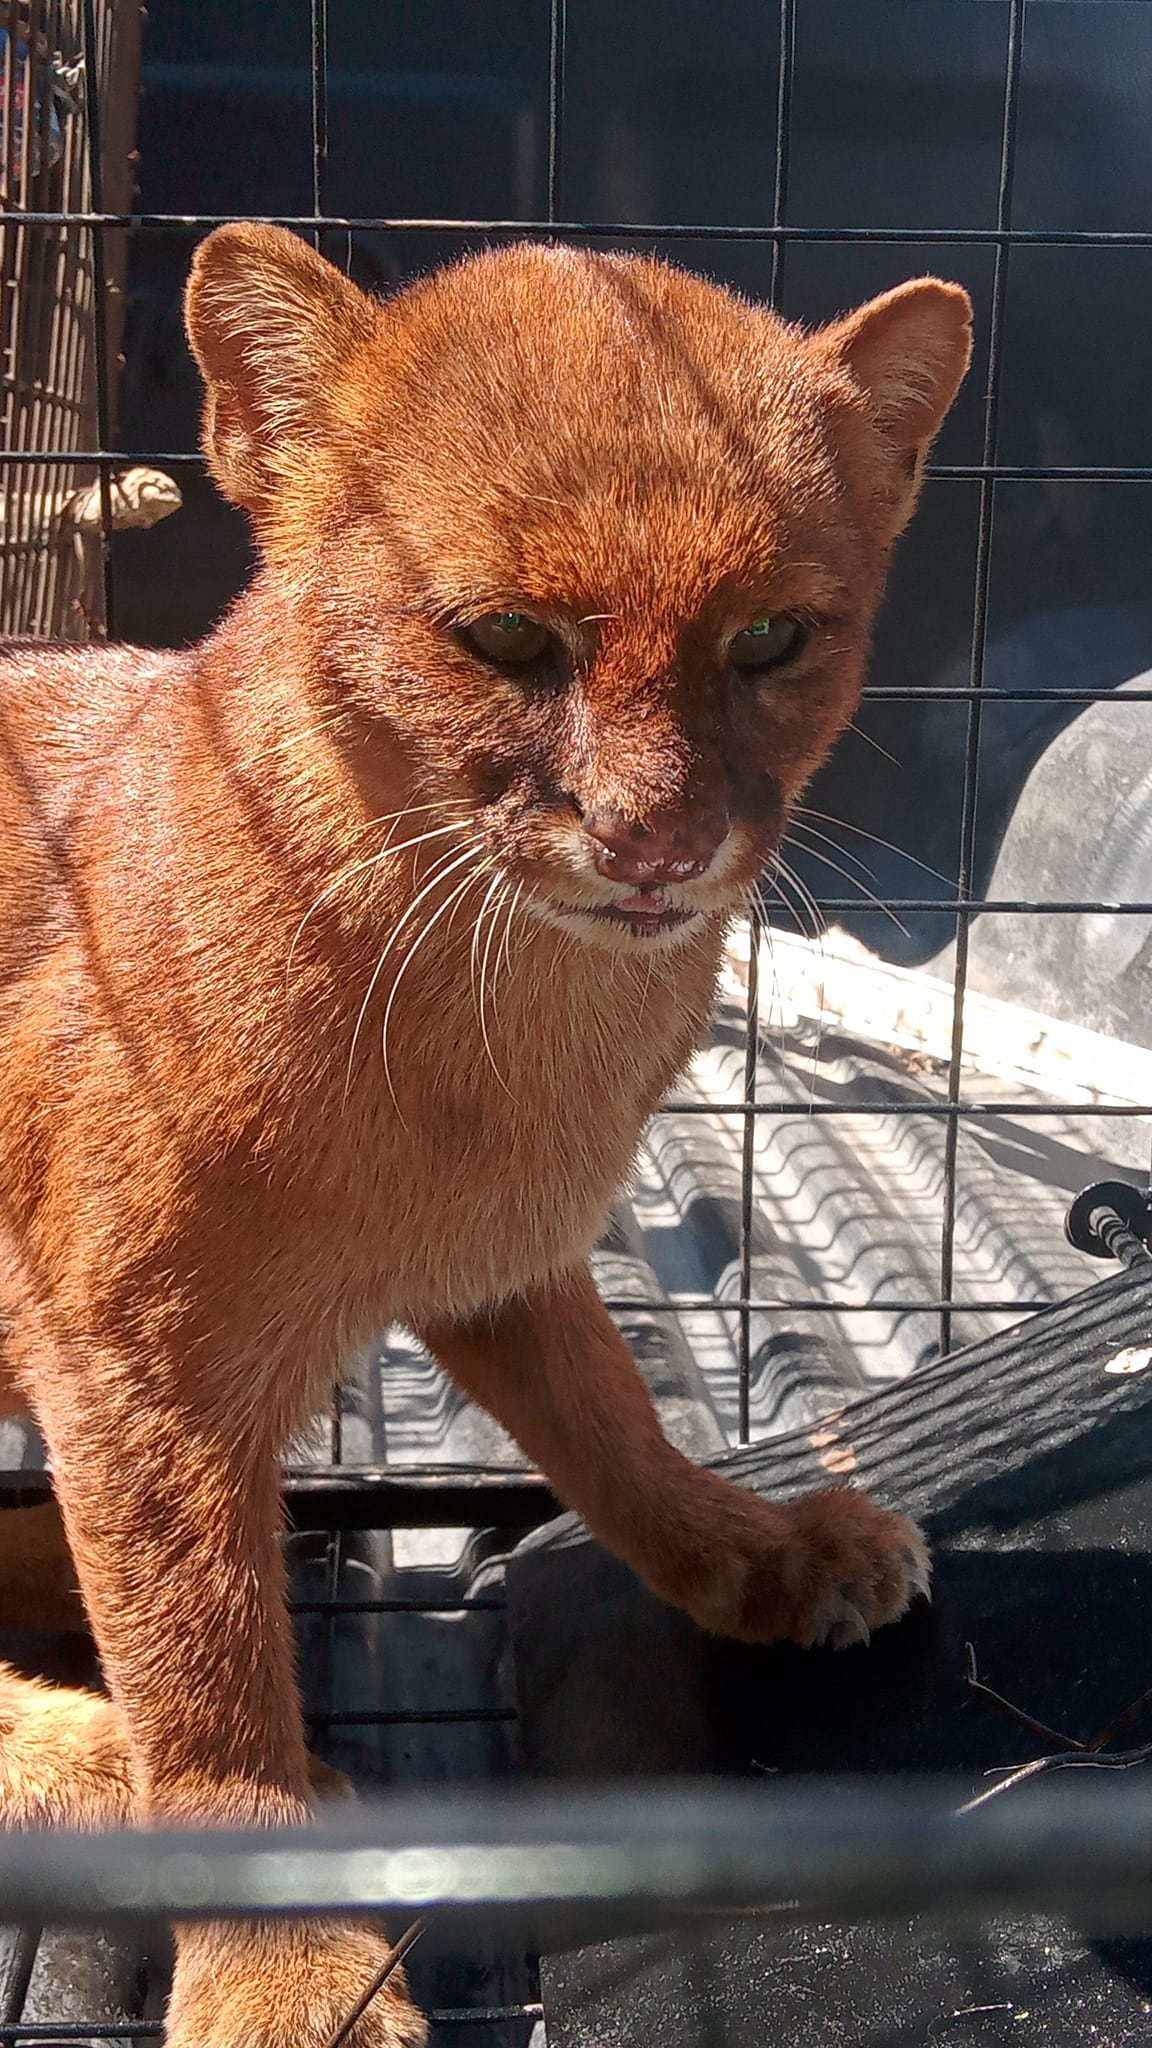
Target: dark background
[[669, 118]]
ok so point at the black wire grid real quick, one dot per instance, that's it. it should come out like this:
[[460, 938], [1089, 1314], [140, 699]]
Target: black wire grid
[[781, 235], [338, 1501], [960, 907]]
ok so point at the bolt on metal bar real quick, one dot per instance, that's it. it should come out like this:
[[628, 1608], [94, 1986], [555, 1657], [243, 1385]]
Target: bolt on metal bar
[[982, 579], [1119, 1237]]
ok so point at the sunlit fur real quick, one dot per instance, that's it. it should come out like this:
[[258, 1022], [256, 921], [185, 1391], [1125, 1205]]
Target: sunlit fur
[[304, 1023]]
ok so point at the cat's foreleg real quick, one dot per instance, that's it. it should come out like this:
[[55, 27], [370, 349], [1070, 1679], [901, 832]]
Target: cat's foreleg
[[552, 1367]]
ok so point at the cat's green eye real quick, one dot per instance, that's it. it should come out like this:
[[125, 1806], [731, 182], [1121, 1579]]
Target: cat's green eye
[[766, 643], [507, 636]]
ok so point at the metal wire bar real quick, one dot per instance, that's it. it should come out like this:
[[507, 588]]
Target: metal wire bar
[[902, 1107], [319, 97], [150, 2030], [967, 906], [657, 231], [483, 2015], [756, 920], [821, 1850], [747, 1178], [786, 65], [557, 50], [462, 1606], [979, 645], [99, 303], [415, 1717], [953, 472], [925, 693]]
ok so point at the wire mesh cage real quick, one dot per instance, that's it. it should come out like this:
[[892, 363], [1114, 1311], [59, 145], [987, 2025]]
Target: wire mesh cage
[[68, 120], [869, 1163]]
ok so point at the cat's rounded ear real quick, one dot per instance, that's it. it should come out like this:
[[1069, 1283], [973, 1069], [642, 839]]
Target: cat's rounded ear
[[907, 351], [272, 325]]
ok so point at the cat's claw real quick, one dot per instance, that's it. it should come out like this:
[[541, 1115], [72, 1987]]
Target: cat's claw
[[829, 1569], [841, 1630]]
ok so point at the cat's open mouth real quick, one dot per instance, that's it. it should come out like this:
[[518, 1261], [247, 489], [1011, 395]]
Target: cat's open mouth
[[645, 913]]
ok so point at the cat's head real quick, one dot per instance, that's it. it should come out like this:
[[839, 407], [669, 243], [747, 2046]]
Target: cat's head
[[593, 543]]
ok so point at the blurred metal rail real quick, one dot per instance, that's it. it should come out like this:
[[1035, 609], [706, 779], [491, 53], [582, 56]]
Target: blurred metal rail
[[826, 1850]]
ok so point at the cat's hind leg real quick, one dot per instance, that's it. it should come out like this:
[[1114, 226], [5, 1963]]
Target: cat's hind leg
[[64, 1758]]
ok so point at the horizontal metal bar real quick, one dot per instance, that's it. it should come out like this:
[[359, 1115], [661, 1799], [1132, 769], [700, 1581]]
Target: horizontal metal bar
[[334, 1608], [424, 1717], [659, 231], [963, 693], [1041, 472], [331, 1497], [709, 1304], [821, 1850], [943, 472], [957, 1109], [150, 2030], [81, 2030], [96, 458], [986, 906], [429, 1497], [483, 2015]]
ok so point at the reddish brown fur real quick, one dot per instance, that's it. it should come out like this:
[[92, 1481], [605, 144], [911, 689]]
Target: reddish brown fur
[[212, 1189]]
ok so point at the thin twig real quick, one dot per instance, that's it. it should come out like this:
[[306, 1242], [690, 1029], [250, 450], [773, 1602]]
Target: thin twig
[[1065, 1760], [1070, 1754], [392, 1961], [1102, 1740], [1018, 1714]]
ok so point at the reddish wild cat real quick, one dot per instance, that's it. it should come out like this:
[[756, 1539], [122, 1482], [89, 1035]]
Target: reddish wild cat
[[343, 957]]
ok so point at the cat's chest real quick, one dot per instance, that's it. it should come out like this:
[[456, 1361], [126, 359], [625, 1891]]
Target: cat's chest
[[496, 1169]]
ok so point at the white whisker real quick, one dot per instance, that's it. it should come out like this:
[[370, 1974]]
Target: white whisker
[[784, 873], [819, 1039], [372, 860], [495, 884], [868, 894], [519, 891], [867, 737], [483, 975], [859, 832], [442, 868], [433, 921], [293, 739]]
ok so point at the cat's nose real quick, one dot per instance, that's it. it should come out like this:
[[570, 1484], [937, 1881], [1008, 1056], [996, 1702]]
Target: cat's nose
[[665, 848]]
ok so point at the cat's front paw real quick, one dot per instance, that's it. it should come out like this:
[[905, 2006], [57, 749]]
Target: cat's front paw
[[826, 1569], [286, 1985]]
